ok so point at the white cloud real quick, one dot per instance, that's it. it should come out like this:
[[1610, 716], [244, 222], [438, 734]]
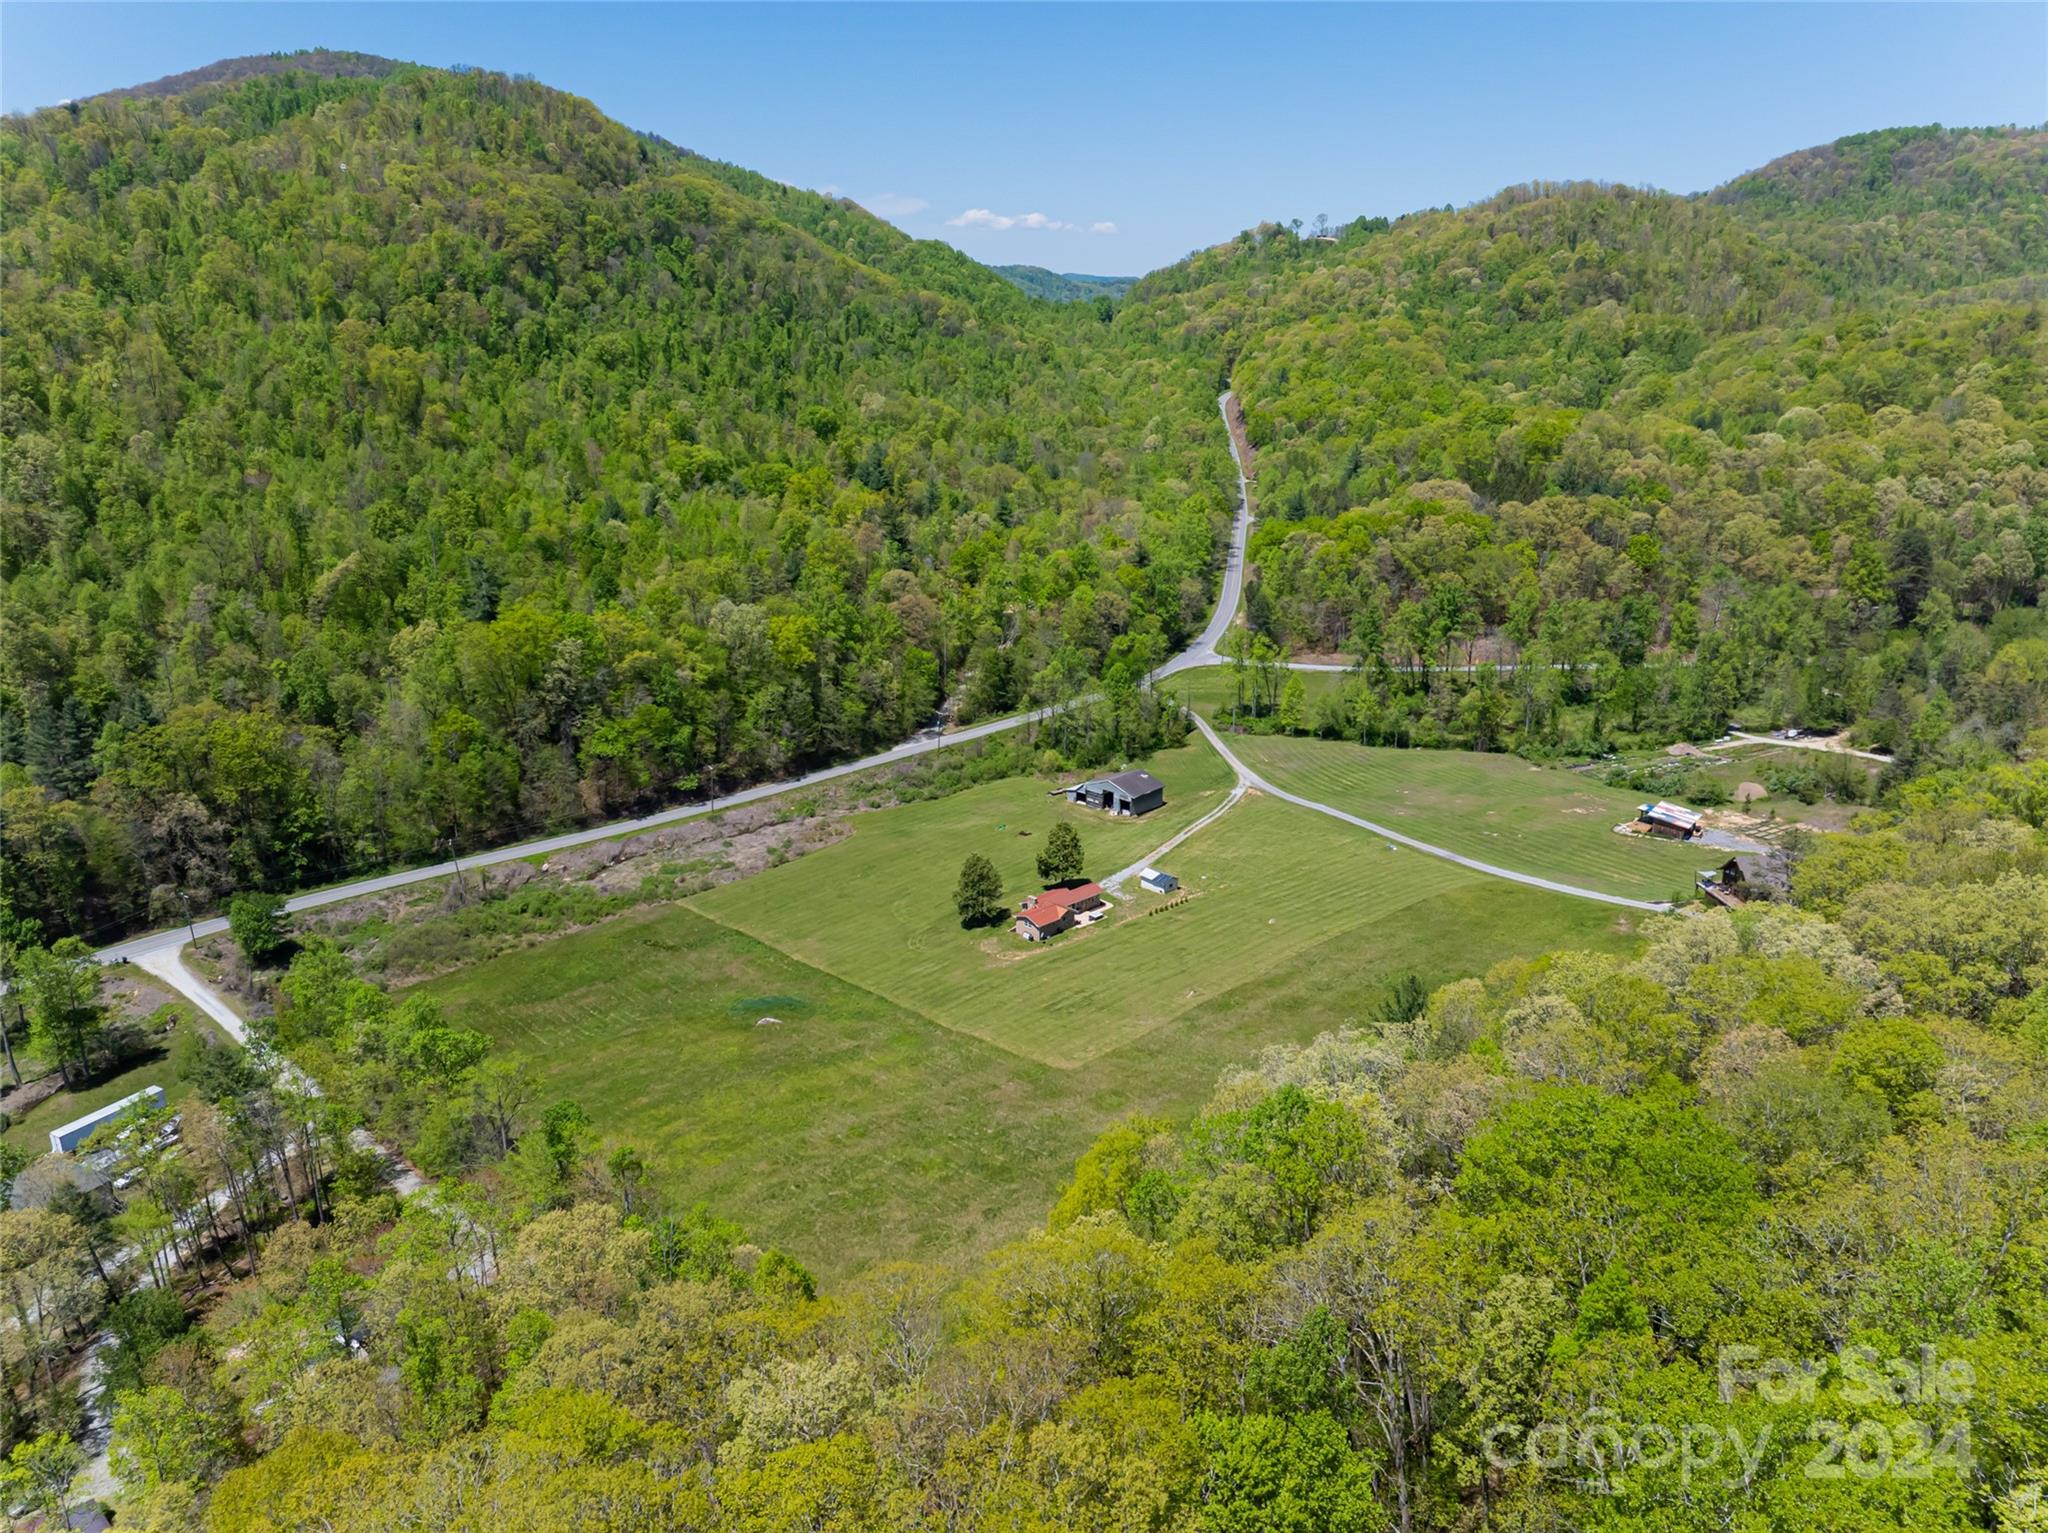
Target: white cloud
[[982, 218], [1103, 226], [890, 205]]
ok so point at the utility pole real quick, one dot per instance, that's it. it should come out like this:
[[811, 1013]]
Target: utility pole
[[454, 857]]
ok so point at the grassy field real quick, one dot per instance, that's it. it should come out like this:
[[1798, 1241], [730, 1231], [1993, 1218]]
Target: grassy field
[[876, 909], [1540, 820], [857, 1127], [1208, 689], [847, 1129]]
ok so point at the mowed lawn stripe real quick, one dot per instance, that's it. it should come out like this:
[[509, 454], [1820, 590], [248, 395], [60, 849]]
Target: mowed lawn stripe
[[1264, 882], [1540, 820]]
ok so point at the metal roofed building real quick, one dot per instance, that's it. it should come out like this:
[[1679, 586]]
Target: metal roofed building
[[78, 1130], [1121, 793]]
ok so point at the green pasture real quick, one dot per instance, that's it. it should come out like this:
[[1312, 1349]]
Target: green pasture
[[858, 1124], [1532, 819]]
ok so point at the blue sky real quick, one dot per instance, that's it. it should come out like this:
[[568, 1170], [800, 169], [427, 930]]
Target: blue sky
[[1116, 139]]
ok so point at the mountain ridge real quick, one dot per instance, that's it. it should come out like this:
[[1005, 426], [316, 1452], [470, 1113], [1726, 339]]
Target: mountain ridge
[[323, 63]]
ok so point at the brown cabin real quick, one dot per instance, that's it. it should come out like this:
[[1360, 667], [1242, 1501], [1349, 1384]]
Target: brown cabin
[[1056, 910]]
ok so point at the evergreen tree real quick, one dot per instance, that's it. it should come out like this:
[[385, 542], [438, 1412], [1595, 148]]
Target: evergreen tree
[[979, 896], [1060, 860]]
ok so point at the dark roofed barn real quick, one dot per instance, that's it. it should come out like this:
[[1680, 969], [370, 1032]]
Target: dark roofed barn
[[1122, 793]]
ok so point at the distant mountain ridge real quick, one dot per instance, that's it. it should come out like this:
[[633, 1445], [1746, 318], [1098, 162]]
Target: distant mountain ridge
[[325, 63], [1064, 286], [1908, 169]]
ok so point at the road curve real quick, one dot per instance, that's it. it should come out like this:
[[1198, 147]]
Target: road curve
[[1201, 652], [168, 964], [1204, 649], [1246, 775]]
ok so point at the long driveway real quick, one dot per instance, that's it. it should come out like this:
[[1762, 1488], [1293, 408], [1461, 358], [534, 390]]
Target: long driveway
[[1245, 775], [1204, 650]]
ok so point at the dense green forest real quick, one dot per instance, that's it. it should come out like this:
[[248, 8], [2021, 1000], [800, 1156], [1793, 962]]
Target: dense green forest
[[1746, 1230], [1772, 453], [404, 463]]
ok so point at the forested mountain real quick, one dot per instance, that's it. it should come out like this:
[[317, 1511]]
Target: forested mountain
[[1063, 286], [401, 462], [1774, 451]]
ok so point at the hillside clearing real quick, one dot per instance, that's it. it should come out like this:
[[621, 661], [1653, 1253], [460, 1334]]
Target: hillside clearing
[[1264, 881]]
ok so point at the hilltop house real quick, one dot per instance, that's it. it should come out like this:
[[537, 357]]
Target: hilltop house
[[1057, 910], [1123, 793]]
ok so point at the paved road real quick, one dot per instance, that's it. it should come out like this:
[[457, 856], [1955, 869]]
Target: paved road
[[1204, 650], [1201, 652], [1247, 775], [177, 936]]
